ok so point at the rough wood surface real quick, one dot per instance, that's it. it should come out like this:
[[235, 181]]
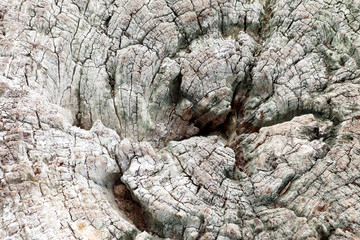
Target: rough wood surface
[[187, 119]]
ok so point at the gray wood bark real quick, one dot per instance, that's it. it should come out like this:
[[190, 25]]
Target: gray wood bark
[[187, 119]]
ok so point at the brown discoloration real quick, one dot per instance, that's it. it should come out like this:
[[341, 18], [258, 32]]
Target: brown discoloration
[[261, 117], [284, 190], [239, 155], [129, 207], [81, 226], [37, 171]]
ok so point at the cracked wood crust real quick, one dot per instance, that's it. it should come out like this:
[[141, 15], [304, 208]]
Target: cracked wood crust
[[223, 119]]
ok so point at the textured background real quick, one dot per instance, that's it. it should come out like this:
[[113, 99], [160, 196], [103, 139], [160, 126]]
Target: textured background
[[179, 119]]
